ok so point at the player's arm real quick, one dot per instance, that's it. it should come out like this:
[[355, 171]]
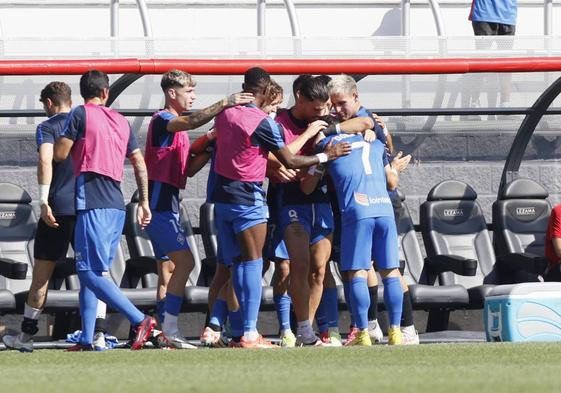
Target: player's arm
[[311, 179], [354, 125], [197, 162], [141, 176], [203, 116], [73, 128], [276, 169], [557, 246], [398, 165], [555, 225], [62, 148], [44, 178]]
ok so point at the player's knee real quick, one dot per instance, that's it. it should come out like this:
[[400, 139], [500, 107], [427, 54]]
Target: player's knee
[[394, 272]]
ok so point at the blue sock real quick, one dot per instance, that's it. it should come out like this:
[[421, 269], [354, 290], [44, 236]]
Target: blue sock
[[361, 301], [219, 312], [331, 301], [236, 323], [282, 305], [160, 309], [321, 315], [347, 292], [237, 282], [252, 291], [109, 293], [88, 307], [393, 299], [173, 304]]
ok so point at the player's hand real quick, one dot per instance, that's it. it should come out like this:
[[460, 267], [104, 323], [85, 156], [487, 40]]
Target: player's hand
[[314, 128], [239, 99], [286, 175], [47, 216], [379, 120], [338, 150], [400, 162], [143, 215], [369, 136]]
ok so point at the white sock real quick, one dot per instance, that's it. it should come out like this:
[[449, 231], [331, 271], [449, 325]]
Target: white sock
[[409, 329], [169, 327], [251, 336], [285, 332], [101, 310], [30, 312], [372, 324]]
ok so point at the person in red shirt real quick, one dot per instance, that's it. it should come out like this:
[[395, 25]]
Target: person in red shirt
[[553, 245]]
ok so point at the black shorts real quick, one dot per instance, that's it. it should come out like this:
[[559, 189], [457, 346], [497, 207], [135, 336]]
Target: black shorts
[[51, 244], [489, 28]]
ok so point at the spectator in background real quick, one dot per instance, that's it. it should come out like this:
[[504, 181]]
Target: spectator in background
[[492, 18], [553, 245]]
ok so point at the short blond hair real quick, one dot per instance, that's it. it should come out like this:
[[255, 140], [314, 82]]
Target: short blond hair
[[342, 84], [177, 78]]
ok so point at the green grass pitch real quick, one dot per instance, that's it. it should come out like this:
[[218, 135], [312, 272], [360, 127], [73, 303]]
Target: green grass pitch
[[449, 368]]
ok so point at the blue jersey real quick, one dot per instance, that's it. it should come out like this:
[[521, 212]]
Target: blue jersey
[[494, 11], [268, 136], [360, 179], [94, 191], [61, 192], [162, 196], [363, 112]]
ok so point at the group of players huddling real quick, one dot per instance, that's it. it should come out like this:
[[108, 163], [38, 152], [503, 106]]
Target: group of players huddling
[[332, 181]]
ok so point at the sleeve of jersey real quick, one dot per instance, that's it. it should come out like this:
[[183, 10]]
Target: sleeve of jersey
[[320, 146], [385, 160], [43, 134], [132, 145], [268, 135], [379, 131], [74, 126]]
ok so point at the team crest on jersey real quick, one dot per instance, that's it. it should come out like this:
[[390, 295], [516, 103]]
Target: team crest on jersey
[[361, 199], [180, 238]]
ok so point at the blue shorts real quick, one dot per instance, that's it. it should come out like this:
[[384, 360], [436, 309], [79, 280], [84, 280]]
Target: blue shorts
[[96, 237], [316, 218], [275, 247], [369, 239], [166, 234], [232, 219]]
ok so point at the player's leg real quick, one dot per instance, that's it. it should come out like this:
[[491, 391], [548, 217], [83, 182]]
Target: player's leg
[[97, 236], [249, 223], [280, 281], [330, 305], [51, 244], [385, 251], [408, 332], [374, 329], [169, 242], [356, 238], [165, 268], [212, 334], [320, 251]]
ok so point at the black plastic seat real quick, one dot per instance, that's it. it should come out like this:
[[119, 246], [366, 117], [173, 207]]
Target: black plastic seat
[[17, 230], [520, 218], [456, 239], [424, 294]]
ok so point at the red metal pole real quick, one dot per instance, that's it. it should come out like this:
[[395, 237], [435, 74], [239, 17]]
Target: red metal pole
[[282, 66]]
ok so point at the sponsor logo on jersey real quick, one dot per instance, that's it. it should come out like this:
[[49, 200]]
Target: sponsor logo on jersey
[[7, 215], [525, 211], [453, 212], [361, 199], [293, 214]]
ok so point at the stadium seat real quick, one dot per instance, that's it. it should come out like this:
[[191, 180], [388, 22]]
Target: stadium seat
[[456, 239], [520, 217], [18, 223], [438, 300]]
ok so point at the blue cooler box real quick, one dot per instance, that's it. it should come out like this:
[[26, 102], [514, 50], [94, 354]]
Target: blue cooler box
[[523, 312]]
